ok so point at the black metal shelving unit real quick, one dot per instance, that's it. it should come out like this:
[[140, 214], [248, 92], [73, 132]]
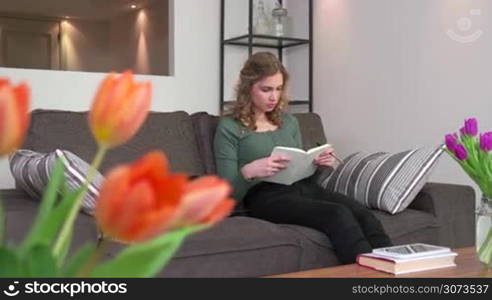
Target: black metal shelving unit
[[251, 40]]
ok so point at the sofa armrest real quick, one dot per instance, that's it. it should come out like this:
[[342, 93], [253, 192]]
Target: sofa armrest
[[453, 205]]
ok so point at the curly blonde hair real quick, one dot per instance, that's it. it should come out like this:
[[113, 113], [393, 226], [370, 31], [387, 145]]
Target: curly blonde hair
[[259, 66]]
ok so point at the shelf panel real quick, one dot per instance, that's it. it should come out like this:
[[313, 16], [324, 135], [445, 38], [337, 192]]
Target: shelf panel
[[299, 102], [266, 41], [292, 102]]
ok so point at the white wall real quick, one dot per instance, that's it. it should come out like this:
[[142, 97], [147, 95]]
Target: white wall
[[194, 87], [388, 77]]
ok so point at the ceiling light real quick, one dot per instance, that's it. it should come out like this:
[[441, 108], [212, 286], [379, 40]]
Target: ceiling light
[[133, 6]]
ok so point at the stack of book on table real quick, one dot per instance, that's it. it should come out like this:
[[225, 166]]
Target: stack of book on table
[[408, 258]]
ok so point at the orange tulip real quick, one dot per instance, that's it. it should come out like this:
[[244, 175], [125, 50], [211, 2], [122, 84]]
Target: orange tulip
[[14, 115], [141, 201], [205, 201], [119, 109]]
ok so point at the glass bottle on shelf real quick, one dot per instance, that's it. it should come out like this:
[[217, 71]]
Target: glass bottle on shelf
[[279, 19], [262, 24]]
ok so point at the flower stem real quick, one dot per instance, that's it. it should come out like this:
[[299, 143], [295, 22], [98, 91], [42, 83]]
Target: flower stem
[[485, 250], [2, 223], [72, 214], [86, 269]]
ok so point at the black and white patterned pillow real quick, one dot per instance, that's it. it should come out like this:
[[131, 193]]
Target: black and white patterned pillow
[[381, 180], [32, 171]]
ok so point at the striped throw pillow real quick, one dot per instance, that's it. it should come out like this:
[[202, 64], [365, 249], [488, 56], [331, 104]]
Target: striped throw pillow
[[32, 171], [381, 180]]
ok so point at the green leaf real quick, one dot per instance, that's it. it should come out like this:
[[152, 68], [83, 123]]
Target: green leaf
[[10, 265], [69, 217], [39, 262], [2, 224], [65, 248], [45, 209], [50, 195], [145, 259], [48, 230], [59, 214], [78, 260]]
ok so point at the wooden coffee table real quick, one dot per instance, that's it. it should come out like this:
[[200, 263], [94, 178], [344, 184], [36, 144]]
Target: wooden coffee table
[[467, 265]]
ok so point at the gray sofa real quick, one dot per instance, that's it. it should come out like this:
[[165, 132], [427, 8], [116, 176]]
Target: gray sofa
[[240, 246]]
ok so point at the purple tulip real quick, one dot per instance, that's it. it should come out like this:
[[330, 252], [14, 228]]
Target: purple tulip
[[451, 142], [460, 152], [471, 127], [486, 141], [462, 130]]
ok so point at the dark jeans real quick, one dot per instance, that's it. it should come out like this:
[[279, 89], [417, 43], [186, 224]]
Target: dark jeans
[[351, 227]]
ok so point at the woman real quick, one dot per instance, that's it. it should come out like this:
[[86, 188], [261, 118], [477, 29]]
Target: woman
[[243, 144]]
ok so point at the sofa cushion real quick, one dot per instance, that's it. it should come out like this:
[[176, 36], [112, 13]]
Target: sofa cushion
[[32, 172], [410, 226], [385, 181], [317, 247], [21, 210], [235, 247], [171, 132]]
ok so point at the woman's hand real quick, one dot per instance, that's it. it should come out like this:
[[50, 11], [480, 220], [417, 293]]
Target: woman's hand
[[326, 158], [264, 167]]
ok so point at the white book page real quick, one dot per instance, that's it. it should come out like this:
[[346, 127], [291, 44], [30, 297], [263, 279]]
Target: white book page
[[300, 165], [409, 259]]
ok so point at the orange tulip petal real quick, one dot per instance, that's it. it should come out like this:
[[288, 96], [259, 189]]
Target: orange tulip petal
[[13, 119], [134, 110], [153, 164], [3, 116], [23, 96], [4, 81], [144, 204], [221, 211], [170, 189], [111, 196], [124, 85], [220, 186], [97, 113], [151, 224], [117, 106], [138, 201], [119, 109], [202, 196]]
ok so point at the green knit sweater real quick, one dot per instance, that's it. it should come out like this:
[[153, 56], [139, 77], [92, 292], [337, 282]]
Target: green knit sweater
[[236, 146]]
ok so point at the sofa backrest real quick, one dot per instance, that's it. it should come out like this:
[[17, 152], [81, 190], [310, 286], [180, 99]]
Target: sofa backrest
[[205, 124], [311, 130], [171, 132], [186, 140]]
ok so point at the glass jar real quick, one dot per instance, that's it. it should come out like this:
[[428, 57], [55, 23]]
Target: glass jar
[[279, 15], [262, 24], [483, 218]]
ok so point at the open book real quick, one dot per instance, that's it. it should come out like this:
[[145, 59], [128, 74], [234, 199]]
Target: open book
[[300, 165]]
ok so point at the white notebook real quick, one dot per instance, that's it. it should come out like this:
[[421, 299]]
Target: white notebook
[[300, 165]]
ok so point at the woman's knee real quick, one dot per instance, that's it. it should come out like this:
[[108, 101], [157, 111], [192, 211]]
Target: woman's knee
[[366, 217], [337, 214]]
